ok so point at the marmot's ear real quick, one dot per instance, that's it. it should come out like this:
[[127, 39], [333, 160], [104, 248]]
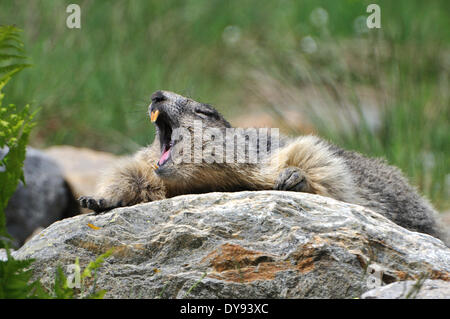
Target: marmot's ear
[[207, 110]]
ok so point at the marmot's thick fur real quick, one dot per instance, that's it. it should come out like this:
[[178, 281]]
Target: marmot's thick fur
[[305, 164]]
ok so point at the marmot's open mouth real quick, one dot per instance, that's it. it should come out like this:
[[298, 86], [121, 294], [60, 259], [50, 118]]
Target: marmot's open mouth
[[162, 123]]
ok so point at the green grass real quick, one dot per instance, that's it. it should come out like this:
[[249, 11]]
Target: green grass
[[93, 85]]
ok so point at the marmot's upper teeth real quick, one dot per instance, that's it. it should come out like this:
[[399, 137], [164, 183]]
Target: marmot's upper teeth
[[154, 115]]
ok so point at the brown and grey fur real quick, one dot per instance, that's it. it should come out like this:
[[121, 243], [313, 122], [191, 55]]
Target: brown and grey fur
[[306, 164]]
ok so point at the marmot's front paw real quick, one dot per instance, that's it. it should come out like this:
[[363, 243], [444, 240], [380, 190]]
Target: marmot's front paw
[[97, 205], [291, 179]]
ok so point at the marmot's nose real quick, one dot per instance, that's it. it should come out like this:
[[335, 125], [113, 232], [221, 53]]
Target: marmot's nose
[[158, 96]]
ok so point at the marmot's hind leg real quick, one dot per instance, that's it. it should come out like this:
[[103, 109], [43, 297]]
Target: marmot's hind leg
[[309, 164], [292, 179]]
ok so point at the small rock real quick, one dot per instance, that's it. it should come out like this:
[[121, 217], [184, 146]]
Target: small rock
[[429, 289]]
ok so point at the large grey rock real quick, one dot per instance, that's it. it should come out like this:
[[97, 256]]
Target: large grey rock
[[81, 167], [267, 244], [44, 199], [428, 289]]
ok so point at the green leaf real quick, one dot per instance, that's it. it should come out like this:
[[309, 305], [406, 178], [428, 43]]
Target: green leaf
[[15, 275], [96, 264], [60, 289], [13, 68], [97, 295], [11, 56], [15, 279]]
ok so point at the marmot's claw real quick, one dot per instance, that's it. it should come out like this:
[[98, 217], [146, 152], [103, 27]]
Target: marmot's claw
[[93, 204], [291, 179]]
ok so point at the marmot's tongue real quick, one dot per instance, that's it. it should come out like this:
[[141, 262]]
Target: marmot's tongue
[[164, 156]]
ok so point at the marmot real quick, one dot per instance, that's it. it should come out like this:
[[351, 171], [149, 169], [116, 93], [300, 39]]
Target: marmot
[[304, 164]]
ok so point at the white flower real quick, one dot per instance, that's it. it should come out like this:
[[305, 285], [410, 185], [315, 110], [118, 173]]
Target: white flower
[[308, 45], [319, 17], [231, 34], [360, 25]]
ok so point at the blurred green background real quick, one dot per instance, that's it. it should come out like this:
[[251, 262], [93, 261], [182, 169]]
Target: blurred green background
[[304, 66]]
